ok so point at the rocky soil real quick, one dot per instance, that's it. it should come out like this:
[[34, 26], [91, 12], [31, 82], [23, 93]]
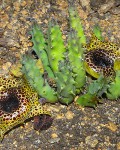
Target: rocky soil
[[73, 128]]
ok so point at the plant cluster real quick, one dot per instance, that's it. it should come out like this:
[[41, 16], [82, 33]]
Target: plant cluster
[[62, 72]]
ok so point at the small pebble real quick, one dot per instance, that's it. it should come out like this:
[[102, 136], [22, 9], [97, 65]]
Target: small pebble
[[55, 140], [54, 135], [112, 126], [91, 140], [6, 65], [69, 115], [118, 146], [60, 116]]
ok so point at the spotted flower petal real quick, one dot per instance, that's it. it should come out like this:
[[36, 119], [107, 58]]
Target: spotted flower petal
[[100, 57], [18, 102]]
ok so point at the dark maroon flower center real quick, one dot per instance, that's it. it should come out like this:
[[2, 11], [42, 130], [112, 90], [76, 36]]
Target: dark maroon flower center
[[101, 58], [10, 103]]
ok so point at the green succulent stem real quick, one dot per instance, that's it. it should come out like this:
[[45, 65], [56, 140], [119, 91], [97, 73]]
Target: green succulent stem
[[60, 66], [94, 90], [56, 48], [97, 32], [65, 83], [35, 77], [75, 23], [113, 91], [39, 46], [75, 54]]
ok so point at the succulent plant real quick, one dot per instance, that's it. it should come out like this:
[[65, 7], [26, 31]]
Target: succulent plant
[[59, 74], [93, 91], [63, 65], [101, 62]]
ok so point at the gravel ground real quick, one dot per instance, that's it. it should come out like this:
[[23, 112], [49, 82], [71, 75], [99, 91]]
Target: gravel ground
[[73, 128]]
